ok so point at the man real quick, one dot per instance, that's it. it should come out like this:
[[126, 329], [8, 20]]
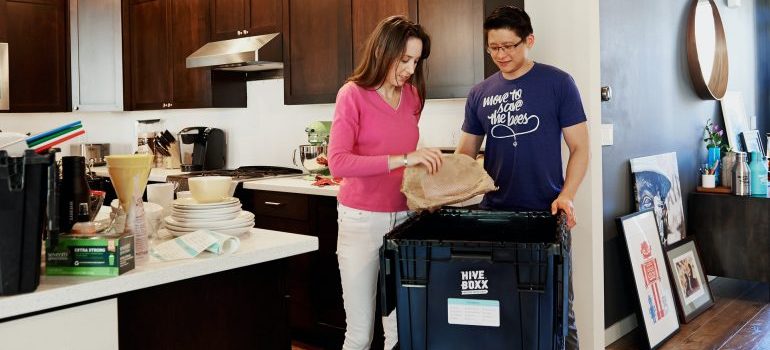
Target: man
[[523, 110]]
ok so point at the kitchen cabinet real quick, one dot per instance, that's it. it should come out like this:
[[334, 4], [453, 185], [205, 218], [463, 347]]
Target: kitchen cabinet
[[319, 53], [457, 26], [97, 55], [318, 49], [38, 55], [91, 326], [367, 14], [158, 35], [232, 19], [316, 314], [3, 21]]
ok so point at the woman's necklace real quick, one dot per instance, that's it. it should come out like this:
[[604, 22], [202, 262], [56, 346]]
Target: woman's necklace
[[392, 100]]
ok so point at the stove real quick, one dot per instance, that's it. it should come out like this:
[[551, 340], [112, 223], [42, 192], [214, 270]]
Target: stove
[[242, 174]]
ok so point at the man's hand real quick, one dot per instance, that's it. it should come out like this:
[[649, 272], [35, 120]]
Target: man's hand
[[564, 203]]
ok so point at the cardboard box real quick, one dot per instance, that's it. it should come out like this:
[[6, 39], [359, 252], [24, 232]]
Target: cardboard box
[[90, 255]]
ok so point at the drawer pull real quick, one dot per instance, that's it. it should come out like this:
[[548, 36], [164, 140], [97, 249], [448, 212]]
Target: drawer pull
[[275, 204]]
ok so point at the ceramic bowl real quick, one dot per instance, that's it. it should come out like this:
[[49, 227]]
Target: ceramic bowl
[[210, 189]]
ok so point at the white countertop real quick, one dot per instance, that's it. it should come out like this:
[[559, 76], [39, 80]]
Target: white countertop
[[300, 185], [296, 184], [156, 174], [256, 247]]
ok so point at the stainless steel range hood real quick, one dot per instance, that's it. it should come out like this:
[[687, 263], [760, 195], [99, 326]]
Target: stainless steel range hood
[[242, 54]]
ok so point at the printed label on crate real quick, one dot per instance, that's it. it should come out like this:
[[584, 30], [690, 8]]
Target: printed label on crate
[[473, 282], [473, 312]]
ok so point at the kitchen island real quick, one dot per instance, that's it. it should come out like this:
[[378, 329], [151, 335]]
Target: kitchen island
[[231, 301]]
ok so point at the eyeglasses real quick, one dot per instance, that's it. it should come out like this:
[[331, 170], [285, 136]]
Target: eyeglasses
[[504, 48]]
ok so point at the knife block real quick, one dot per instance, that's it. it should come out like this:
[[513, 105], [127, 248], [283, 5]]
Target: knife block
[[173, 162]]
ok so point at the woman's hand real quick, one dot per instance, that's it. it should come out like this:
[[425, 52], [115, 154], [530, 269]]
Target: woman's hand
[[429, 157]]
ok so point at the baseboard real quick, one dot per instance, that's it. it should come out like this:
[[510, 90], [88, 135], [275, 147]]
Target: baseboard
[[619, 329]]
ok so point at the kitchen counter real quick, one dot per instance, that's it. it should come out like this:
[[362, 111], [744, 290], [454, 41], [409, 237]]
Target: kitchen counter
[[156, 174], [257, 246], [299, 185]]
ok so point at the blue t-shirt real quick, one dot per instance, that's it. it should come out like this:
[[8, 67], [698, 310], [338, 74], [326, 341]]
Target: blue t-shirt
[[522, 120]]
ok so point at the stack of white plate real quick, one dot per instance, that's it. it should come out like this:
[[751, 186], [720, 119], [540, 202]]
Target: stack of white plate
[[187, 215]]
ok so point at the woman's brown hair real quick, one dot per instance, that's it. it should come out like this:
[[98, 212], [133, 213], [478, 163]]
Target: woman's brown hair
[[385, 45]]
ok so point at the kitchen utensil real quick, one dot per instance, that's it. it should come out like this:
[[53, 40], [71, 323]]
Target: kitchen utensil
[[312, 159], [210, 189], [95, 151], [129, 175], [96, 199]]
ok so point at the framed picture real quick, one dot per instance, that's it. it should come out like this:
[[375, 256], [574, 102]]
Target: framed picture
[[736, 119], [656, 298], [752, 142], [693, 294], [656, 186]]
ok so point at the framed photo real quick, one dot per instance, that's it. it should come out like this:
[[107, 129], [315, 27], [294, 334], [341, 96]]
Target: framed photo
[[752, 142], [736, 119], [648, 265], [656, 186], [693, 294]]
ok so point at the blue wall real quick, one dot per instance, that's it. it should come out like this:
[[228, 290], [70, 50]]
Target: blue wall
[[655, 109]]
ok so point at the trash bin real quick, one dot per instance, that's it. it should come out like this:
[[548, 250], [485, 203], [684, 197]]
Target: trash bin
[[472, 279], [24, 187]]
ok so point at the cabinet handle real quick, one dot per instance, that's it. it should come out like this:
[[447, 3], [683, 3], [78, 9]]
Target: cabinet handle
[[170, 104], [245, 32], [240, 32], [165, 105], [275, 204]]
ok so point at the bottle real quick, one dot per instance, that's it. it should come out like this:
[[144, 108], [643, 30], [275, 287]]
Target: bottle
[[741, 175], [84, 226], [74, 191], [758, 175]]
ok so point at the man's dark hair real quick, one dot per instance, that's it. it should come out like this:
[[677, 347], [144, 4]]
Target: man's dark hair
[[508, 17]]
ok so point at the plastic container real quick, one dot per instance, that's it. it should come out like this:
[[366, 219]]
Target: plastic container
[[24, 191], [467, 279]]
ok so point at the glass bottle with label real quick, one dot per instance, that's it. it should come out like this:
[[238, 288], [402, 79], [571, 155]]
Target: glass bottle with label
[[758, 175]]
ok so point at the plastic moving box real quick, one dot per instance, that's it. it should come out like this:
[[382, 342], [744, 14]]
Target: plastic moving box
[[470, 279], [24, 190]]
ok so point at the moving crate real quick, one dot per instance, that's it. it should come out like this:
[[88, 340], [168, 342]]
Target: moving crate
[[470, 279], [24, 189]]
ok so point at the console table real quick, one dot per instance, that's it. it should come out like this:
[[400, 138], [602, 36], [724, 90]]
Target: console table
[[733, 233]]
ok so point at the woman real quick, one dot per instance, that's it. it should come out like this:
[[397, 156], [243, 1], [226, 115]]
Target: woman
[[374, 136]]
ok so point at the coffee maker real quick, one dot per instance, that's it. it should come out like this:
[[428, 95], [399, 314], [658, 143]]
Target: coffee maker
[[202, 148]]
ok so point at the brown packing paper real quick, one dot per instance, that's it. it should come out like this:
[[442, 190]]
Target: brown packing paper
[[460, 178]]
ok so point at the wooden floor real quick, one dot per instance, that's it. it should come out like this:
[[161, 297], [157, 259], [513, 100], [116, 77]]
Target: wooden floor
[[739, 319]]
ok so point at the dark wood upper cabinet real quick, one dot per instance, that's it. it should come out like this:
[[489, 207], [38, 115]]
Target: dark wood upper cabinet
[[38, 55], [322, 43], [158, 35], [3, 22], [317, 49], [368, 13], [236, 18]]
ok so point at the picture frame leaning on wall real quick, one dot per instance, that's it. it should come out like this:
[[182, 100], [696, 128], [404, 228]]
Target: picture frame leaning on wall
[[657, 310], [693, 294]]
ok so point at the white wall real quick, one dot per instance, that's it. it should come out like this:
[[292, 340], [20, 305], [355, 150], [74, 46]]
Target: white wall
[[265, 133], [567, 36]]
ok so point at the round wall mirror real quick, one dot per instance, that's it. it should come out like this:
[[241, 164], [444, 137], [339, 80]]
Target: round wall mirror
[[707, 50]]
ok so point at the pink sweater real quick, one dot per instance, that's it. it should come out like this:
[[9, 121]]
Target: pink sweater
[[365, 130]]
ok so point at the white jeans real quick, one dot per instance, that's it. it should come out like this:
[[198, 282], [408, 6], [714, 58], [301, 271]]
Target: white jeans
[[358, 244]]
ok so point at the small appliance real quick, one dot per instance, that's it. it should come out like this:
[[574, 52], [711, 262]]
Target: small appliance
[[92, 152], [202, 148], [313, 155]]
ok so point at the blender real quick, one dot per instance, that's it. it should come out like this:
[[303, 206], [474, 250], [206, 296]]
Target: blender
[[313, 155]]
